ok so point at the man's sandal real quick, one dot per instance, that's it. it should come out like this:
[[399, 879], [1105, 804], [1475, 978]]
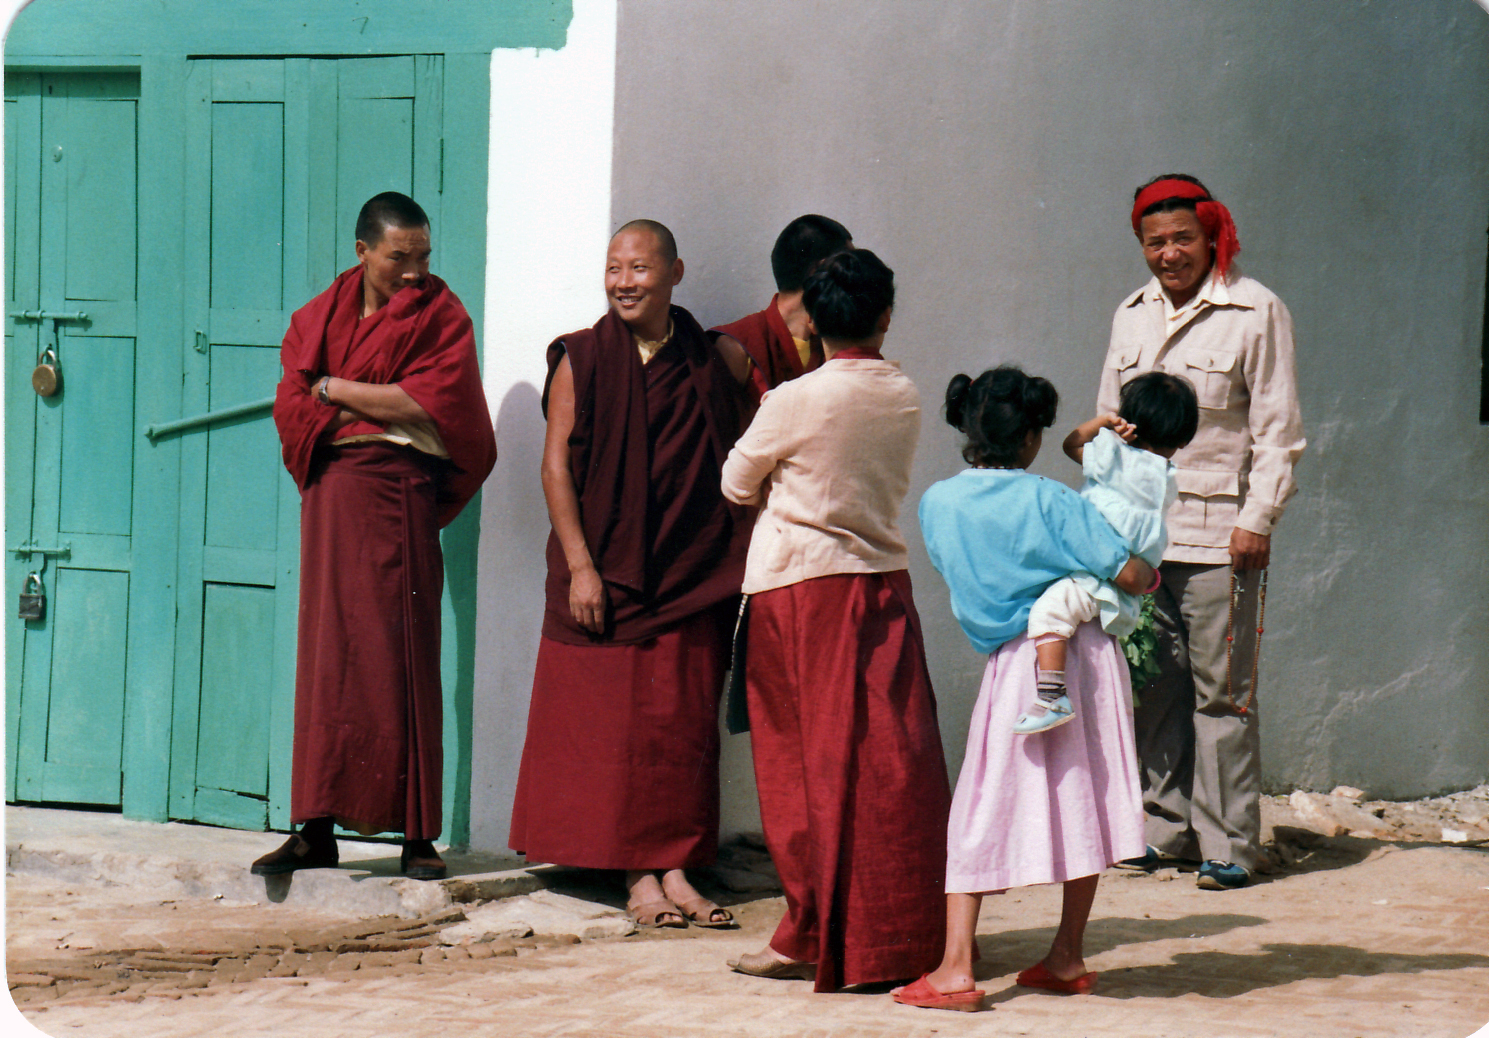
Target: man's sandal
[[650, 915], [701, 911]]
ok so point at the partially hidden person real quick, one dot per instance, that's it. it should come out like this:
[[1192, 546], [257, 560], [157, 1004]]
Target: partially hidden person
[[386, 431], [1197, 721], [847, 752], [620, 769], [1130, 479], [779, 338], [1063, 807]]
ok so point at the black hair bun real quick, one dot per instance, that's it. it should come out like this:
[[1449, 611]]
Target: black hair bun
[[956, 400]]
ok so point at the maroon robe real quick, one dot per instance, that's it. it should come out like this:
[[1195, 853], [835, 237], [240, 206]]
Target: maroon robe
[[620, 767], [769, 343], [853, 791], [367, 686]]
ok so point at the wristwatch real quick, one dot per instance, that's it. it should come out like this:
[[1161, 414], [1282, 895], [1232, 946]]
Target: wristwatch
[[320, 390]]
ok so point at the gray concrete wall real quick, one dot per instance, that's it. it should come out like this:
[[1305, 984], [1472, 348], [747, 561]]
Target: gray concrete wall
[[988, 150]]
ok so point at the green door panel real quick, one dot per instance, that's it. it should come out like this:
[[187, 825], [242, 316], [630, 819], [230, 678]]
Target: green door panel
[[97, 467], [73, 199], [245, 477], [237, 681]]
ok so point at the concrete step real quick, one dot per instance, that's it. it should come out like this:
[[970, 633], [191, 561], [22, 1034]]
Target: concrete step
[[178, 860]]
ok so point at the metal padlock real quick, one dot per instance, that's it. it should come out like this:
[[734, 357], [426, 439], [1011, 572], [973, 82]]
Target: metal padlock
[[47, 378], [33, 602]]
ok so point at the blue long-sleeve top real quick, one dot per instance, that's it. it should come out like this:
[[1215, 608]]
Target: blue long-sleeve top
[[999, 537]]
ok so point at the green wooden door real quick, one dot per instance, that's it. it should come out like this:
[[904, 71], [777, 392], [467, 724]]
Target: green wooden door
[[281, 155], [71, 250]]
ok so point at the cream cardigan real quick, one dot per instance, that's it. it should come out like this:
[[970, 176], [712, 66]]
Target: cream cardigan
[[829, 455]]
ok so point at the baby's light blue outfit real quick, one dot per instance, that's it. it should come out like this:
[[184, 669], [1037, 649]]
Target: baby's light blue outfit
[[1132, 489]]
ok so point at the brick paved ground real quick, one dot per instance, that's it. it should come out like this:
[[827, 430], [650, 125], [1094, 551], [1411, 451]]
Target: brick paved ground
[[1356, 940]]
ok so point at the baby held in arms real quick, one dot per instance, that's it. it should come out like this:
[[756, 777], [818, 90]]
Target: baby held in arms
[[1130, 479]]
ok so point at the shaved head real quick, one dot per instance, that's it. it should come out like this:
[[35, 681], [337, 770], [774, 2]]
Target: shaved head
[[385, 211], [664, 237]]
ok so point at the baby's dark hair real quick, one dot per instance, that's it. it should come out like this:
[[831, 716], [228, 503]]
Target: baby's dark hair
[[1162, 407], [997, 411], [847, 294]]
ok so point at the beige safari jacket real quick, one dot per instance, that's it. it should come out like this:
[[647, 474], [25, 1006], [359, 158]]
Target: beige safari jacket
[[1235, 343]]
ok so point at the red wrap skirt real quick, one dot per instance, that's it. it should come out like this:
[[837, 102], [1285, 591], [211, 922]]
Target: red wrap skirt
[[367, 686], [621, 765], [853, 789]]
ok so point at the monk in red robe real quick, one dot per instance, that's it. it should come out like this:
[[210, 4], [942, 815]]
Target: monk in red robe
[[778, 339], [386, 431], [620, 768]]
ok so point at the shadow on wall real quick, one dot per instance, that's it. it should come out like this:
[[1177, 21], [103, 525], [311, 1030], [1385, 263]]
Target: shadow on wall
[[509, 614]]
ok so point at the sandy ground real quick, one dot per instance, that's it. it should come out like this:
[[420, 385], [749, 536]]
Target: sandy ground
[[1355, 938]]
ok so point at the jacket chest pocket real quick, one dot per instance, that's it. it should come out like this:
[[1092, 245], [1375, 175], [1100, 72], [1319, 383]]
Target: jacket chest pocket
[[1213, 375], [1123, 360]]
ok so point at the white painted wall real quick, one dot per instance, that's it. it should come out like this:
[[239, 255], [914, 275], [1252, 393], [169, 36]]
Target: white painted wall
[[547, 228]]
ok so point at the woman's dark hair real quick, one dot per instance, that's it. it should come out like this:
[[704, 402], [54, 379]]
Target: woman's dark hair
[[1168, 205], [1163, 407], [848, 293], [997, 411]]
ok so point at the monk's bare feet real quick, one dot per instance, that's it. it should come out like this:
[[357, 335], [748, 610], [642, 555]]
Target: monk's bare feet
[[648, 904], [699, 910], [946, 981]]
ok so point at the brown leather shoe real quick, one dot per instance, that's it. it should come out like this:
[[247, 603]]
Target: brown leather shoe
[[421, 861], [297, 853]]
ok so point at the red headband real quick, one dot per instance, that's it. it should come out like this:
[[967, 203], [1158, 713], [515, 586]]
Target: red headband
[[1214, 217]]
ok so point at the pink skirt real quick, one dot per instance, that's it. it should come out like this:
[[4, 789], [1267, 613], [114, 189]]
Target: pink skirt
[[1046, 808]]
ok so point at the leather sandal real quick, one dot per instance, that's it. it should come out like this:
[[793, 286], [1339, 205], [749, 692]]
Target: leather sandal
[[294, 854], [764, 964], [700, 912], [649, 915], [420, 860]]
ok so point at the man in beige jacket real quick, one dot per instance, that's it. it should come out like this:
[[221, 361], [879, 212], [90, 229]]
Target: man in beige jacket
[[1197, 721]]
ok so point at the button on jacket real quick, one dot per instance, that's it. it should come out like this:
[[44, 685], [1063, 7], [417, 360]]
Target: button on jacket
[[1234, 342]]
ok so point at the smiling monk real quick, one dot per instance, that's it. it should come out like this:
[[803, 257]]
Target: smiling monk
[[386, 431], [645, 561]]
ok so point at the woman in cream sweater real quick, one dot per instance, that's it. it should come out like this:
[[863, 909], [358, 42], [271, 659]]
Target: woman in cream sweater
[[848, 761]]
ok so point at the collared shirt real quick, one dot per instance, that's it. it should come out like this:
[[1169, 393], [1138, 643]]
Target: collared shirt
[[648, 349], [1234, 342]]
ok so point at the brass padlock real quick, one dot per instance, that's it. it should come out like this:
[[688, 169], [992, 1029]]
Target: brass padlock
[[47, 378], [33, 602]]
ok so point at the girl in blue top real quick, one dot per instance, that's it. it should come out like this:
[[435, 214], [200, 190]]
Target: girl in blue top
[[1061, 808]]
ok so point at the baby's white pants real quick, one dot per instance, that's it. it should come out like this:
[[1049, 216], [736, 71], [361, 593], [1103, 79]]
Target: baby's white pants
[[1063, 607]]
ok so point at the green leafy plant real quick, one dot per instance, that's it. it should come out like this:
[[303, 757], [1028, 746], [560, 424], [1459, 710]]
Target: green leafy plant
[[1141, 648]]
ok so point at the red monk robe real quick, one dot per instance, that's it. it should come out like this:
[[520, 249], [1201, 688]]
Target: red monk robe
[[620, 768], [771, 346], [367, 688]]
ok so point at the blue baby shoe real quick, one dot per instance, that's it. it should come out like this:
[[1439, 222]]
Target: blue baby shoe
[[1042, 716]]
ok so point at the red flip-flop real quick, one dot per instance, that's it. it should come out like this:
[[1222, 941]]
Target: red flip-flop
[[1036, 976], [921, 995]]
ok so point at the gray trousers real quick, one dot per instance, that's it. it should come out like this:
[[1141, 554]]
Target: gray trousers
[[1200, 760]]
